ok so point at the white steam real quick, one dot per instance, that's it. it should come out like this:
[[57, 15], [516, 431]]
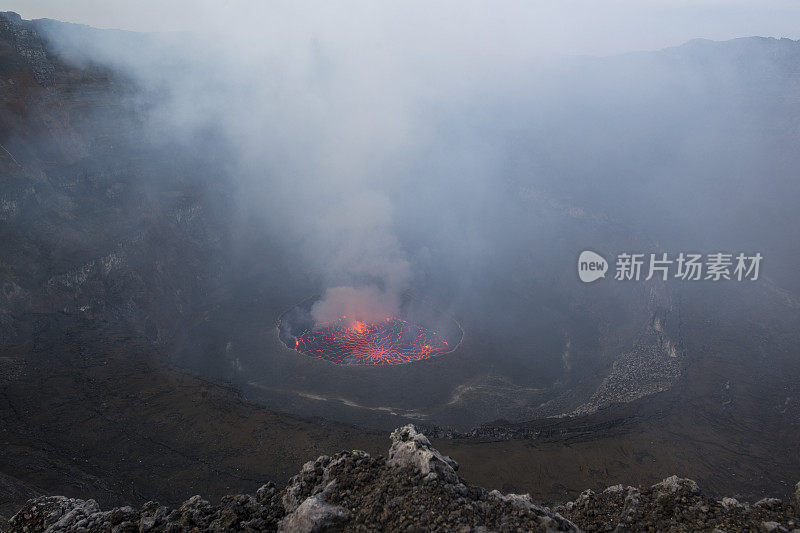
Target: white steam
[[365, 304], [361, 251]]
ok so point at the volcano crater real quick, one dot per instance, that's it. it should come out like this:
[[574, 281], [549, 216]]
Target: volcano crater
[[415, 332]]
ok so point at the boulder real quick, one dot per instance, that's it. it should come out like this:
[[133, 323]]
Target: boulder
[[413, 449]]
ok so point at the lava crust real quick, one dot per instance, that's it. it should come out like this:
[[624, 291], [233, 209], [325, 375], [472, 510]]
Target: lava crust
[[388, 342], [418, 331]]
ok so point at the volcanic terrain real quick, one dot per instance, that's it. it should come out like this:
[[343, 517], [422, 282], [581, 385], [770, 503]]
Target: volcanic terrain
[[142, 355]]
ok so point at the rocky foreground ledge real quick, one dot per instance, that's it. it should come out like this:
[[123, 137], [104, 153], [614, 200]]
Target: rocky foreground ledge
[[415, 489]]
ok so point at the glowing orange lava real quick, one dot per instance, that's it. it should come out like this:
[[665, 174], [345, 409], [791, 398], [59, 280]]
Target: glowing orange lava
[[390, 342]]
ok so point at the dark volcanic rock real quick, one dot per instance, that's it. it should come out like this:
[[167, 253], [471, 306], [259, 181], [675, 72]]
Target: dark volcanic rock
[[675, 504], [416, 489]]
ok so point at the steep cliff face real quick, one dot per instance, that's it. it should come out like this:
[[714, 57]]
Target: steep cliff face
[[25, 41], [99, 231], [96, 222], [415, 489]]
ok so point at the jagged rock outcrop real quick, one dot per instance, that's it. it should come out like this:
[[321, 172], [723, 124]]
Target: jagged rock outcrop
[[415, 489], [675, 504], [411, 448]]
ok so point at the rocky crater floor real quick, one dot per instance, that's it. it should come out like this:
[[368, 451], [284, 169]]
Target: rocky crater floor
[[415, 489]]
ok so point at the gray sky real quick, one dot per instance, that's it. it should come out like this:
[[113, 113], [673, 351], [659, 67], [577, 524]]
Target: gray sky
[[565, 26]]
